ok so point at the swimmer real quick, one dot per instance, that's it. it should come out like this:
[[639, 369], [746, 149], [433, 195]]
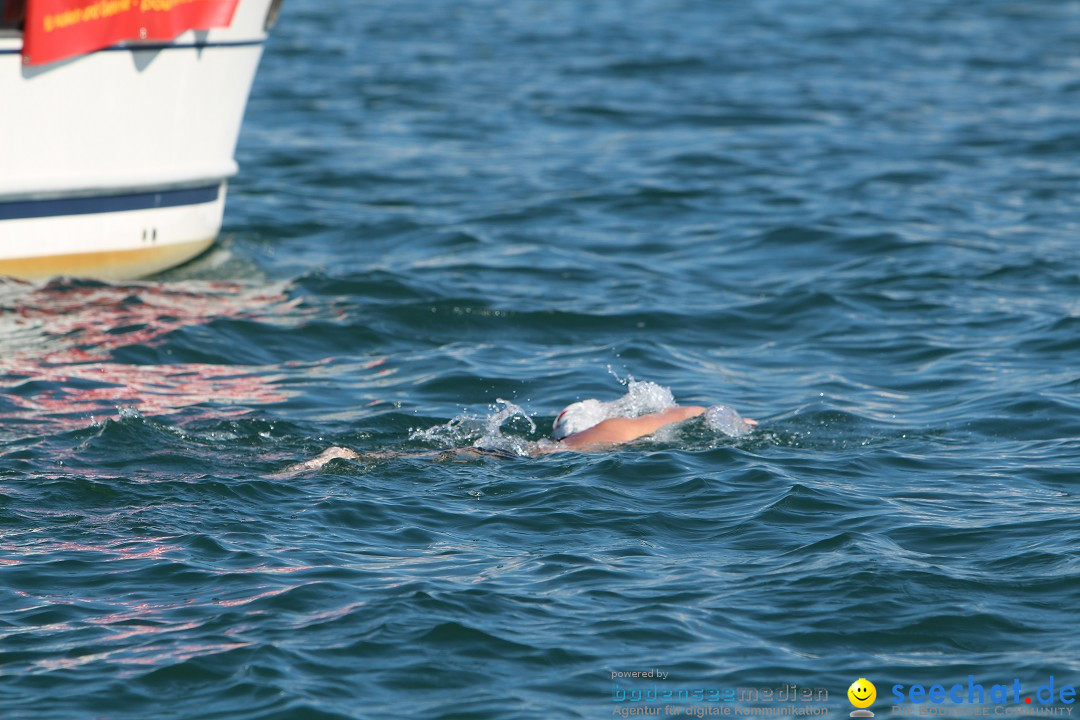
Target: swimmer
[[576, 429], [582, 426]]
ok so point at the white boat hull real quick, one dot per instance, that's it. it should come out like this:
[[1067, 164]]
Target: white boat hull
[[114, 164], [117, 240]]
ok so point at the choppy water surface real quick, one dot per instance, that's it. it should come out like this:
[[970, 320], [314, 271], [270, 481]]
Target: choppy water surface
[[853, 221]]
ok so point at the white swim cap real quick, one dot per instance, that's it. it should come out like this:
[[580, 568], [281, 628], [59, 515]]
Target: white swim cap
[[577, 417]]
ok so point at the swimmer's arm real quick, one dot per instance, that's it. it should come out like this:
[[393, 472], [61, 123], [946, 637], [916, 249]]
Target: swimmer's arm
[[621, 430], [335, 452]]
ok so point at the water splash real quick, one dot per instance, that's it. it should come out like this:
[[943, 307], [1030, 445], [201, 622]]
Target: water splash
[[722, 418], [128, 412], [641, 398], [493, 437], [622, 381], [456, 432], [483, 432]]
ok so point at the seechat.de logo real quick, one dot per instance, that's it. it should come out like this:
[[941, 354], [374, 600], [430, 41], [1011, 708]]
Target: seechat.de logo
[[862, 694]]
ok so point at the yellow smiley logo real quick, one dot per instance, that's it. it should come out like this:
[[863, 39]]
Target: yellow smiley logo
[[862, 694]]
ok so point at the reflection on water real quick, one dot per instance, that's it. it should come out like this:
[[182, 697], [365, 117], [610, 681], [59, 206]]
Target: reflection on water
[[60, 340]]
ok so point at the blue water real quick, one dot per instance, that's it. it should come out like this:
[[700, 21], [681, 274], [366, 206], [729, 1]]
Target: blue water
[[853, 221]]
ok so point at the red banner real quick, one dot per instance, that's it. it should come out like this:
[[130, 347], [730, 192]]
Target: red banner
[[58, 29]]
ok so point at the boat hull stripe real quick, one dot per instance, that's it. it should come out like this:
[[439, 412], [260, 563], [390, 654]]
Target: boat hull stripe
[[58, 207]]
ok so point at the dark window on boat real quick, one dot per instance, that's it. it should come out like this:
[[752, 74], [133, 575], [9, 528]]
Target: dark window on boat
[[12, 13]]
